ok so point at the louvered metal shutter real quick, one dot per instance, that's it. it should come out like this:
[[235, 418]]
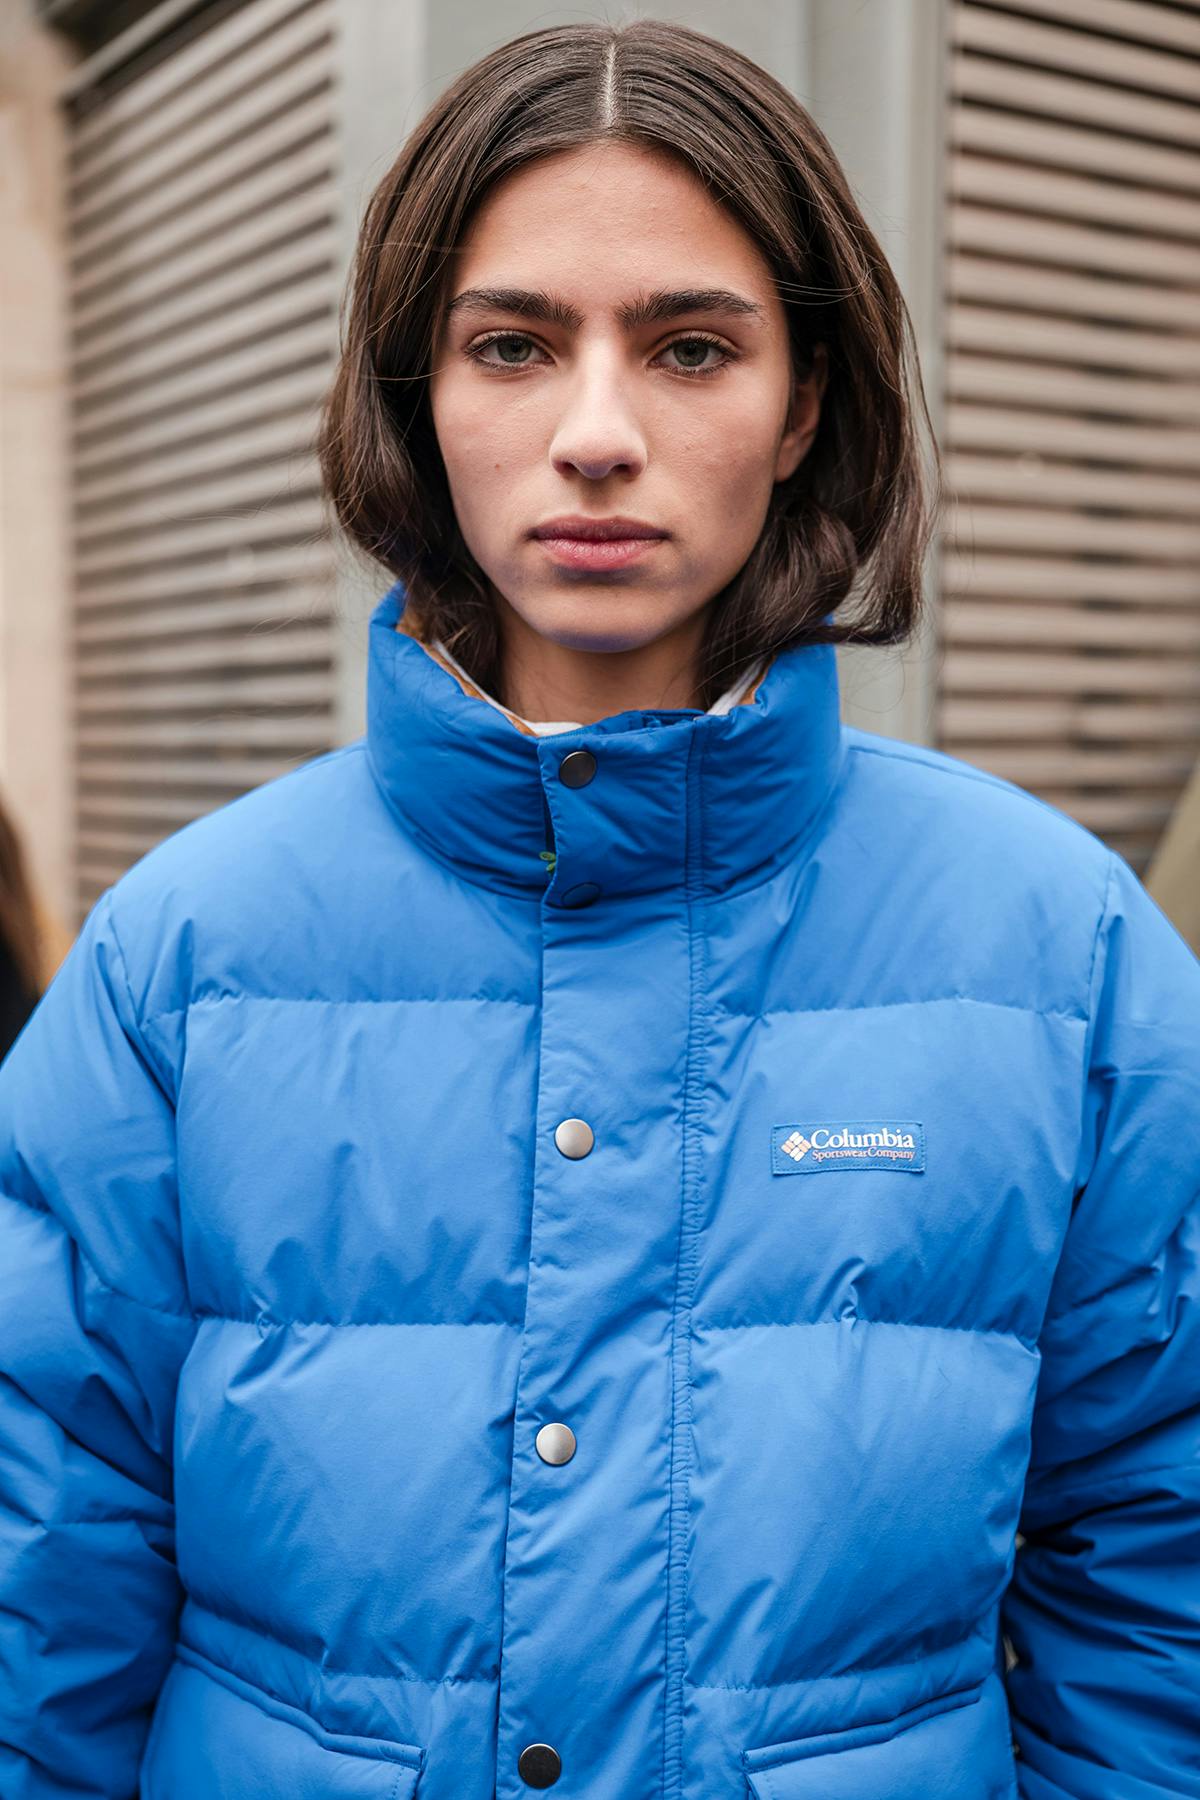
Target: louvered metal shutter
[[1070, 617], [202, 241]]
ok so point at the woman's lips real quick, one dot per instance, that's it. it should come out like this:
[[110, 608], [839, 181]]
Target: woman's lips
[[597, 553]]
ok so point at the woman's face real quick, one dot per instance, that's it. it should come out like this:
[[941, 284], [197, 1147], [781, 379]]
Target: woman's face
[[682, 420]]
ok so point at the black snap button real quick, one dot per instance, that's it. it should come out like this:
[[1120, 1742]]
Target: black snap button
[[582, 894], [539, 1765], [577, 768]]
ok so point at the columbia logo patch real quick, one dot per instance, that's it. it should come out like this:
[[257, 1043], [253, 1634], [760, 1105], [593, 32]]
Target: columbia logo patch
[[810, 1147]]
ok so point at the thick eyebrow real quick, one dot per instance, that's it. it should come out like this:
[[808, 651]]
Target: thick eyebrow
[[551, 309]]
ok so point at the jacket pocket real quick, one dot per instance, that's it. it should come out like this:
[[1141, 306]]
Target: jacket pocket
[[924, 1753], [214, 1733]]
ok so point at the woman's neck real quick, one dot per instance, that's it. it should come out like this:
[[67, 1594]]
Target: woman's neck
[[543, 678]]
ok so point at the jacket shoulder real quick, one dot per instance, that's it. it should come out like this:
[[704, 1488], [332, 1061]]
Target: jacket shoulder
[[995, 893], [977, 813], [261, 824], [219, 902]]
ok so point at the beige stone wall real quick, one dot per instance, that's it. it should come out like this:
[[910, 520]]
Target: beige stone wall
[[34, 515], [1173, 877]]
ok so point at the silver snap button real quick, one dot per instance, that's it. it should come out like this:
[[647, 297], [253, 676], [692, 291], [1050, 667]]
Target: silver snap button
[[573, 1137], [555, 1443]]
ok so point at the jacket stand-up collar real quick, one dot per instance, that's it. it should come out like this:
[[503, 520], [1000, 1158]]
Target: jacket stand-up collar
[[679, 799]]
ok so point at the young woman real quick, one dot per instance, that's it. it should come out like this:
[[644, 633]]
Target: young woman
[[617, 1233]]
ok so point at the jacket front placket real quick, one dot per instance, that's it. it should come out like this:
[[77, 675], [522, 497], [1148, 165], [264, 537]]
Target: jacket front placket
[[597, 1510]]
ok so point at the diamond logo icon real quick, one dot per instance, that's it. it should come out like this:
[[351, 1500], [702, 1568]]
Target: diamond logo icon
[[797, 1146]]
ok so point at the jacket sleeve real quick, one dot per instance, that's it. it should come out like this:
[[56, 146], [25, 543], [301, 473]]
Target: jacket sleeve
[[93, 1330], [1103, 1608]]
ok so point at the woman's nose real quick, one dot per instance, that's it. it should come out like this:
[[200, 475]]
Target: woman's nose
[[597, 429]]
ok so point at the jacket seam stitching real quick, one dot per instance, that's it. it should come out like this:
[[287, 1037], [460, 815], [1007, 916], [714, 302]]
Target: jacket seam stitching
[[225, 994], [271, 1637], [785, 1755], [1092, 1005], [161, 1071], [1037, 1012], [1015, 1337], [679, 1465], [725, 1012], [903, 1662], [191, 1657], [269, 1319], [273, 1321]]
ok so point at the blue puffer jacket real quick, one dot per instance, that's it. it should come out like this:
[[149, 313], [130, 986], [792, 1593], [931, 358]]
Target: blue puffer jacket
[[713, 1316]]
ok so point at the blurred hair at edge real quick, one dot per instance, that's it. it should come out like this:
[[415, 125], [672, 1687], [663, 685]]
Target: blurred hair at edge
[[31, 939], [857, 514]]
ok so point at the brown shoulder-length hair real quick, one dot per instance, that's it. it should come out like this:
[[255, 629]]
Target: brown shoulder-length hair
[[23, 926], [857, 514]]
